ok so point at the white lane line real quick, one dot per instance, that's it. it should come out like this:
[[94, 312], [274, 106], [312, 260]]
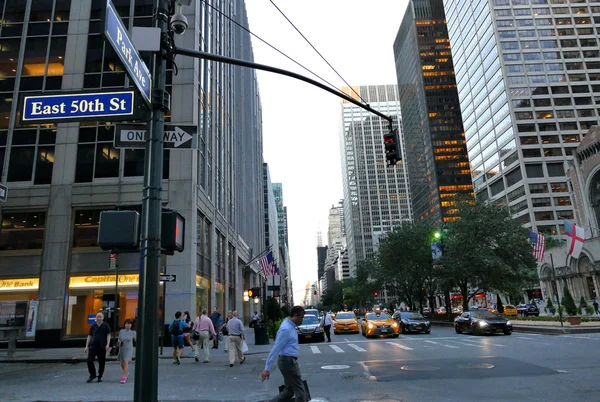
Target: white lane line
[[315, 349], [399, 346], [337, 348], [579, 337], [347, 340], [447, 346], [353, 346]]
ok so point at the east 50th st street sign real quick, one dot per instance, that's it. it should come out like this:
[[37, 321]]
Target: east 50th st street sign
[[134, 136], [43, 108], [117, 35]]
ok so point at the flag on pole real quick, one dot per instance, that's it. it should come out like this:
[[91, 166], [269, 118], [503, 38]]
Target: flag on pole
[[267, 263], [575, 238], [538, 241]]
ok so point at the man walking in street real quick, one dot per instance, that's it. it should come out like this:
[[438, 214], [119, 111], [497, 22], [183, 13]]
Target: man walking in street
[[177, 328], [217, 321], [326, 323], [97, 344], [204, 328], [235, 329], [595, 304], [286, 351]]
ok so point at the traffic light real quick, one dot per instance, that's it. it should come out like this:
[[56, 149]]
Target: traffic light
[[172, 232], [376, 293], [254, 292], [391, 143]]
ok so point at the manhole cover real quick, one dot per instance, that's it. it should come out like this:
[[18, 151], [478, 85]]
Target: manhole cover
[[415, 367], [335, 367], [476, 365]]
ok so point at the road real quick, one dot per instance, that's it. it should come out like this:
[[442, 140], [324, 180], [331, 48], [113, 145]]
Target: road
[[442, 366]]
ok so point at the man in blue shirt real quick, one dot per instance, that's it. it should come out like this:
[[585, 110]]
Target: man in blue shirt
[[177, 328], [286, 351]]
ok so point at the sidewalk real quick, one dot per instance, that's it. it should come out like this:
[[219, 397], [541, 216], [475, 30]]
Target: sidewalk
[[76, 355]]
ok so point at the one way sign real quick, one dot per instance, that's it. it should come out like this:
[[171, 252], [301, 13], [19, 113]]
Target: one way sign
[[175, 137], [168, 278]]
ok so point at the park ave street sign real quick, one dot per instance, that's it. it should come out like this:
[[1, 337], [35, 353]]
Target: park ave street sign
[[3, 192], [175, 136], [117, 35], [168, 278]]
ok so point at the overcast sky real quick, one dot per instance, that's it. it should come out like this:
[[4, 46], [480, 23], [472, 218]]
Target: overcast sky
[[301, 123]]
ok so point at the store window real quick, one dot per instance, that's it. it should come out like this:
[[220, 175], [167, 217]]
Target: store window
[[202, 294], [22, 230]]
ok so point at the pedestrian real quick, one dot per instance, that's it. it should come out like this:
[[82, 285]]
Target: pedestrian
[[126, 339], [224, 330], [326, 323], [235, 329], [204, 329], [595, 304], [217, 321], [286, 351], [96, 345], [255, 318], [177, 328], [187, 338]]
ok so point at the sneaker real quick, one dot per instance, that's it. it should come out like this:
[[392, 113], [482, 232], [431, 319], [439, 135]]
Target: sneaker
[[206, 361], [89, 380], [196, 358], [174, 361], [178, 361], [99, 379], [123, 379], [230, 365], [192, 353], [243, 360]]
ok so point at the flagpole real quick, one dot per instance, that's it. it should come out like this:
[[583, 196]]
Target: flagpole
[[557, 292]]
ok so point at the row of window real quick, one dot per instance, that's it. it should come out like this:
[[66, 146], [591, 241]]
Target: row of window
[[545, 32], [566, 126], [528, 22], [546, 11], [560, 114], [560, 102], [534, 2], [548, 44]]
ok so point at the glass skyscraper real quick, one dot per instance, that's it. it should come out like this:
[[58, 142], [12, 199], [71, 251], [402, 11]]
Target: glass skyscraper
[[528, 76], [437, 162], [376, 196]]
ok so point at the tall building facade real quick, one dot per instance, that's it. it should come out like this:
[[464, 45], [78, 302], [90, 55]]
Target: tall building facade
[[376, 196], [528, 76], [335, 225], [437, 162], [61, 176], [284, 251]]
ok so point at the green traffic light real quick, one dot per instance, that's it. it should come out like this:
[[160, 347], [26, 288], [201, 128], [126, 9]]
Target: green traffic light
[[437, 235]]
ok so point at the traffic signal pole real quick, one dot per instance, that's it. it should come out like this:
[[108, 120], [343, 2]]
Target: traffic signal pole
[[146, 356]]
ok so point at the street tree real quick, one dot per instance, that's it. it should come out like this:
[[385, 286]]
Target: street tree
[[486, 250]]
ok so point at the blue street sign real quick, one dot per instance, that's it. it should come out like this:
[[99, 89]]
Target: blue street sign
[[117, 35], [42, 108], [91, 319]]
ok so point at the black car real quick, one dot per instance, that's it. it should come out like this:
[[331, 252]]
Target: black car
[[528, 309], [412, 322], [482, 322], [310, 330]]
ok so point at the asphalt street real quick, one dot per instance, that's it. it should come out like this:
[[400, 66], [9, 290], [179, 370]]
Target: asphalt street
[[441, 366]]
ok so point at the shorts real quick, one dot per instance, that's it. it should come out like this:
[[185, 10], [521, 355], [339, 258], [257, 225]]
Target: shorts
[[177, 341]]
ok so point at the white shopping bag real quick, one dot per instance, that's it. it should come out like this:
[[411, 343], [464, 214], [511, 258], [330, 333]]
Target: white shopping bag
[[244, 347]]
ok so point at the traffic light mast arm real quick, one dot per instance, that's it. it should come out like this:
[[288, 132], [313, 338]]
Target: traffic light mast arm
[[229, 60]]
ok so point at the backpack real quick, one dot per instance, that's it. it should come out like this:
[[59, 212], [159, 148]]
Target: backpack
[[176, 328]]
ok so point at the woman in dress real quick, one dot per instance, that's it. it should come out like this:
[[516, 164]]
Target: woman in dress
[[126, 338], [187, 339]]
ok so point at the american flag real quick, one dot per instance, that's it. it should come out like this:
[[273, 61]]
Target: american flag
[[538, 241], [268, 264]]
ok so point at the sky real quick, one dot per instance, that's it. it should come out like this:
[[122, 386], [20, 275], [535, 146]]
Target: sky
[[301, 123]]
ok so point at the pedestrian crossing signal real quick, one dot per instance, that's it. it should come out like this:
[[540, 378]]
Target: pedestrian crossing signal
[[254, 292], [391, 144]]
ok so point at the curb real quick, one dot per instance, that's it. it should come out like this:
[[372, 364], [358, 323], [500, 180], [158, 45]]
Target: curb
[[537, 329]]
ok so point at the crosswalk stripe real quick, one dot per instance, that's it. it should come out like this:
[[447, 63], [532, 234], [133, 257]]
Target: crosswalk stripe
[[399, 346], [356, 347], [315, 349], [337, 348], [437, 343]]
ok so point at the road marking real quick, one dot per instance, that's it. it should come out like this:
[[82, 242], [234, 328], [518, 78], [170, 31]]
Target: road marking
[[347, 340], [315, 349], [356, 347], [437, 343], [337, 348], [578, 337], [561, 371], [399, 346], [367, 372]]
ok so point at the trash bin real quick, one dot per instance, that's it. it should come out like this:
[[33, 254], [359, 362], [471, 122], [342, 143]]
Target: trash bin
[[261, 336]]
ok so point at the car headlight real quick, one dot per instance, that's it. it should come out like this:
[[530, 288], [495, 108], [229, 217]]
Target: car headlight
[[482, 323], [426, 323], [508, 323], [395, 325], [371, 326], [318, 329]]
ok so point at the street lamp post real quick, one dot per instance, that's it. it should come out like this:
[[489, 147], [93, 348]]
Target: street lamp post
[[557, 295]]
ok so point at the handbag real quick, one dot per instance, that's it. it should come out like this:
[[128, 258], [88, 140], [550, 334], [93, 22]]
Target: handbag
[[196, 336], [244, 347], [114, 351], [306, 390]]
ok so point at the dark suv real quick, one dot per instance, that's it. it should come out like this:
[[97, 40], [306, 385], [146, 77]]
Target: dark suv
[[528, 309]]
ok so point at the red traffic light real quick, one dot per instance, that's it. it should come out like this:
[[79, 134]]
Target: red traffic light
[[376, 293]]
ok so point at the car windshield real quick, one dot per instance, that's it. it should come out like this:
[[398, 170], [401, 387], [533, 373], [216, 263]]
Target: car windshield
[[509, 306], [382, 316], [484, 314], [411, 316], [345, 316], [311, 312], [310, 320]]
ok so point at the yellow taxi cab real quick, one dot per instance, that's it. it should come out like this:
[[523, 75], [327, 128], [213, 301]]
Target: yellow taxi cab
[[511, 310], [378, 323], [345, 321]]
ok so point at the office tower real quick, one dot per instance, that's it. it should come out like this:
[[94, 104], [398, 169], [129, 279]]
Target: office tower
[[60, 177], [284, 255], [437, 162], [376, 196], [528, 76]]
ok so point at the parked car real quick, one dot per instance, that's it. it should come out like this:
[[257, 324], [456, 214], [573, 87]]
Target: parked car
[[440, 310], [457, 310], [479, 322], [528, 309], [412, 322], [310, 330]]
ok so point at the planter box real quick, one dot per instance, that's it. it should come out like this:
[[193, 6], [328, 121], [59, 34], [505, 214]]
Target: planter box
[[574, 319]]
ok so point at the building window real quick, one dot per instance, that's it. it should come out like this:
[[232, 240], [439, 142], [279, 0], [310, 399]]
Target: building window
[[513, 177], [22, 230], [534, 170], [555, 169], [544, 216], [32, 156], [538, 188], [559, 187], [541, 202], [85, 230], [562, 201]]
